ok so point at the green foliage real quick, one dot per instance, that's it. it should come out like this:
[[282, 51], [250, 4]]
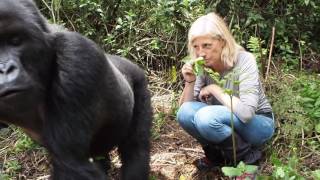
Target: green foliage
[[293, 102], [294, 21], [158, 123], [173, 74], [309, 96], [152, 177], [174, 104], [241, 169], [12, 167], [4, 176], [316, 174], [153, 33], [303, 111], [297, 115], [255, 46], [148, 32], [287, 171], [23, 143]]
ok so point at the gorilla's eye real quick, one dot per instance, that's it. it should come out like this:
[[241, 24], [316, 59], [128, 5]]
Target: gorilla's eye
[[15, 41]]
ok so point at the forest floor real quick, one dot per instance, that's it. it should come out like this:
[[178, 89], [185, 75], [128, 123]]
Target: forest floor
[[172, 154]]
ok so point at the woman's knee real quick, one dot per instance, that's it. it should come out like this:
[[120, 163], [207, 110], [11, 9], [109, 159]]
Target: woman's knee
[[210, 127], [184, 110], [207, 122], [207, 117], [185, 113], [261, 134], [188, 109], [267, 135]]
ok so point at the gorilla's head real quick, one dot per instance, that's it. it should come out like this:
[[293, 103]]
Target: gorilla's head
[[26, 56]]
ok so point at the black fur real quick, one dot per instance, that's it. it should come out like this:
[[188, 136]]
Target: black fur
[[64, 91]]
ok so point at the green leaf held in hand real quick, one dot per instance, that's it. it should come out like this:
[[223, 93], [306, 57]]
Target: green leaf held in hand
[[198, 65]]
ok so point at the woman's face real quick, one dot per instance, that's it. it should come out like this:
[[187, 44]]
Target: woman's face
[[210, 49]]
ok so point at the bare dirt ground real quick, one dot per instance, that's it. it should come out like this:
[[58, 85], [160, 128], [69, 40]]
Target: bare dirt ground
[[173, 154]]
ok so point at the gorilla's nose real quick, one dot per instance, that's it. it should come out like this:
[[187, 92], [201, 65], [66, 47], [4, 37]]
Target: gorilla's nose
[[9, 71]]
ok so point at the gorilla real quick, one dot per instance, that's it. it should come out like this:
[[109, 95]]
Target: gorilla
[[71, 97], [2, 126]]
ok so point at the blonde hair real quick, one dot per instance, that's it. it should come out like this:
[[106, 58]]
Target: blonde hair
[[213, 25]]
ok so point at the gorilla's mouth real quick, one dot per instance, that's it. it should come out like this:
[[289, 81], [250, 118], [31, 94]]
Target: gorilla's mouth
[[10, 93]]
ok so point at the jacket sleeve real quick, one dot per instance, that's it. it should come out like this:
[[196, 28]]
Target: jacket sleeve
[[249, 89]]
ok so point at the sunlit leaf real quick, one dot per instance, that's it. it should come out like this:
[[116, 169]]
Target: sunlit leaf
[[231, 171], [198, 64], [317, 104], [182, 177], [316, 174], [173, 73], [228, 91], [318, 128], [279, 172], [307, 99], [251, 169]]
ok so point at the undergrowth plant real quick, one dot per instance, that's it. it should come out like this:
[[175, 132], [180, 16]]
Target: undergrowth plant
[[295, 104], [240, 169], [158, 123], [256, 46], [289, 170], [24, 143], [11, 169]]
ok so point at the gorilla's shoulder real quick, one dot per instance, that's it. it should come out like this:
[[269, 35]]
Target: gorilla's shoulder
[[126, 67], [68, 41], [72, 38], [121, 62]]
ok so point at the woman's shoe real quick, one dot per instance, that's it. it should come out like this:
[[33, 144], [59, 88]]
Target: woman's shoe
[[203, 164], [244, 150]]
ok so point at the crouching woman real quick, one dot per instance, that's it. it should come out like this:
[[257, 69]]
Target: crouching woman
[[205, 109]]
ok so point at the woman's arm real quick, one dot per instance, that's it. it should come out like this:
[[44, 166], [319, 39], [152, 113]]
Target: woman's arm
[[219, 94], [187, 93], [246, 104], [189, 78]]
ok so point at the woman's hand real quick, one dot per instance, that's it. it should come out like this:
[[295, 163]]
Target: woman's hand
[[206, 92], [187, 73], [190, 77]]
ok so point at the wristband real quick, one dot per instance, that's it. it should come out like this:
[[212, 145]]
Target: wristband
[[190, 81]]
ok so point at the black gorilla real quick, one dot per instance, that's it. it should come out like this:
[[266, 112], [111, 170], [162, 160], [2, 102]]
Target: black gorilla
[[70, 96], [2, 125]]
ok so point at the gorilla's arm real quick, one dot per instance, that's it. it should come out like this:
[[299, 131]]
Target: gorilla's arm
[[135, 161], [70, 117]]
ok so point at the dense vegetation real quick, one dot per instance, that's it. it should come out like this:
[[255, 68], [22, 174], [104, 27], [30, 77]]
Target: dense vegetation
[[153, 34]]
